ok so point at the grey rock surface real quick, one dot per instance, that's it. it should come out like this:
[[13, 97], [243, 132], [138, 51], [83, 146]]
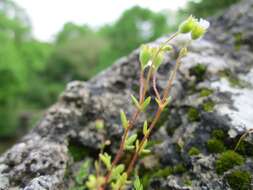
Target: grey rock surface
[[42, 159]]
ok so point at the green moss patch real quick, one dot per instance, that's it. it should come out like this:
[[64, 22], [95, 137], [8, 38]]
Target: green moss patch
[[198, 71], [245, 148], [228, 160], [238, 40], [77, 151], [204, 92], [215, 146], [165, 172], [218, 134], [234, 81], [193, 114], [208, 106], [193, 151], [188, 182], [239, 180], [179, 169]]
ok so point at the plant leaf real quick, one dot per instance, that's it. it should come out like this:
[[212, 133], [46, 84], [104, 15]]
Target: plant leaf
[[124, 120], [145, 128], [106, 159], [137, 144], [130, 141], [116, 172], [135, 101], [145, 104], [137, 184]]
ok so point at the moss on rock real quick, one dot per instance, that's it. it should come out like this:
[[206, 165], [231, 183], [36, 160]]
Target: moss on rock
[[179, 169], [208, 106], [198, 71], [215, 146], [228, 160], [239, 180], [245, 148], [193, 151], [204, 92], [193, 114], [218, 134]]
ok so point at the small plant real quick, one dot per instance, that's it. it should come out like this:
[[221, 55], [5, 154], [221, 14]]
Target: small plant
[[239, 180], [193, 151], [193, 114], [228, 160], [113, 174], [218, 134], [215, 146], [205, 92], [208, 106], [243, 137]]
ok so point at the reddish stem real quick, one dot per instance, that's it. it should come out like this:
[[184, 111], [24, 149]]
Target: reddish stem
[[155, 88], [135, 156]]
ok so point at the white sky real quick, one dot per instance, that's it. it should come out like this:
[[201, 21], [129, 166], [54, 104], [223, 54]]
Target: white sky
[[49, 16]]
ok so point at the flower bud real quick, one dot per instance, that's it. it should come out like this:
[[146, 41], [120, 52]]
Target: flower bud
[[158, 60], [200, 29], [145, 55], [167, 48], [183, 52], [188, 25]]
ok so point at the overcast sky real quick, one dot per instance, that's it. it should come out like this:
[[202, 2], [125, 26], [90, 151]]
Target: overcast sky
[[48, 16]]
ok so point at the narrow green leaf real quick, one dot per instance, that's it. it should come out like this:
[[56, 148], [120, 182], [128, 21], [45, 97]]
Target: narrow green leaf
[[130, 141], [135, 101], [124, 120], [137, 184], [158, 101], [145, 151], [145, 128], [158, 60], [167, 48], [168, 100], [116, 172], [145, 56], [83, 172], [137, 145], [183, 52], [106, 159], [145, 103], [131, 147]]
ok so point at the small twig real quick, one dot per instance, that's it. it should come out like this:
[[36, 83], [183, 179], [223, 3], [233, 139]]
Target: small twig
[[242, 138], [137, 152], [155, 87], [171, 79]]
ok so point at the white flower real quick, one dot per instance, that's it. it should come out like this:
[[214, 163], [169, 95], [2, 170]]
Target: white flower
[[204, 23], [200, 29]]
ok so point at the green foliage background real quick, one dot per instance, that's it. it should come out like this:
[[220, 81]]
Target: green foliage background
[[33, 73]]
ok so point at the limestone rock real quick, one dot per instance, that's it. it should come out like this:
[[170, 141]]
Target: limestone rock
[[213, 93]]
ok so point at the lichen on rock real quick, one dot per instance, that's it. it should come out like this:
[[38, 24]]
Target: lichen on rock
[[43, 160]]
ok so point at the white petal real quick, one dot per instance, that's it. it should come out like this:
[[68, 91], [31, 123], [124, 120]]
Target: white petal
[[204, 23]]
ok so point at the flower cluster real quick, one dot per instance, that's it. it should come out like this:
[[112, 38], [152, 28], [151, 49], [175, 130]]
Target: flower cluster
[[197, 28]]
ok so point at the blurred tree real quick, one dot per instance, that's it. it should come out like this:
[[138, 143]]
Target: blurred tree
[[205, 8], [76, 54], [20, 58], [136, 26]]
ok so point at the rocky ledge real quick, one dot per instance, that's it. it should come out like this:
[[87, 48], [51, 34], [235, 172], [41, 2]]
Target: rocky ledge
[[193, 145]]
